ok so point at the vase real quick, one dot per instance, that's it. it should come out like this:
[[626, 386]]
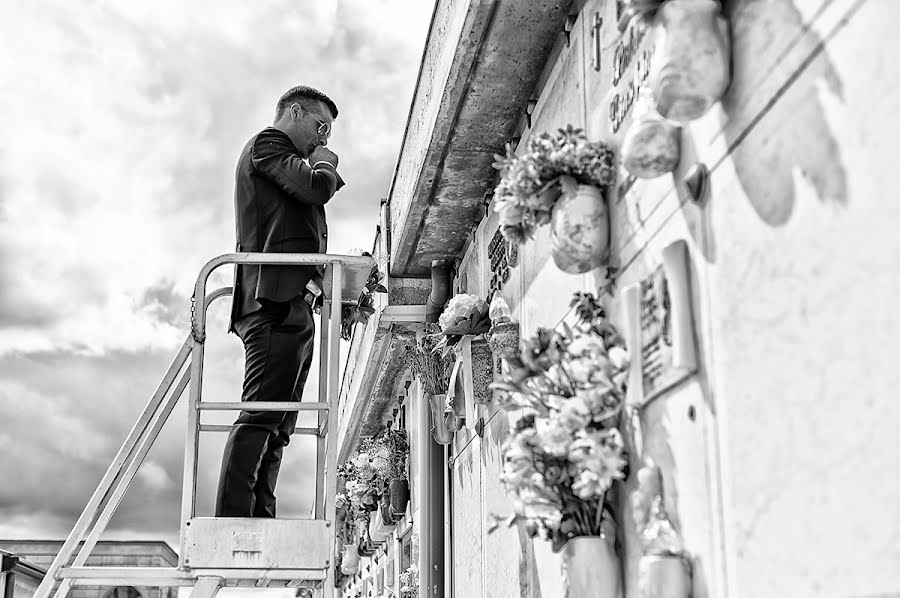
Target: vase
[[652, 144], [399, 489], [591, 568], [379, 529], [692, 61], [664, 576], [385, 510], [350, 560], [482, 370], [440, 430], [503, 339], [579, 230]]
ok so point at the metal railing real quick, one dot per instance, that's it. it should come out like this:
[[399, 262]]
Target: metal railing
[[106, 498]]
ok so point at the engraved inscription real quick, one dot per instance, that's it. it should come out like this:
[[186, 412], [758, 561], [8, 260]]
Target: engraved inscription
[[500, 253], [622, 101]]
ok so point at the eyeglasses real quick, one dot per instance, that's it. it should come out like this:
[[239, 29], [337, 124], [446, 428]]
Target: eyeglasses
[[324, 130]]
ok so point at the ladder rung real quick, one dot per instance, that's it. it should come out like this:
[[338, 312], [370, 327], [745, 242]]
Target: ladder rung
[[228, 427], [263, 406]]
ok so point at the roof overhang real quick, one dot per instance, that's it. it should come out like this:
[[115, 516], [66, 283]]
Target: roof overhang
[[481, 63]]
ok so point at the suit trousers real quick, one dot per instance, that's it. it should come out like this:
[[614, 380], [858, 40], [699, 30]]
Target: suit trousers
[[278, 344]]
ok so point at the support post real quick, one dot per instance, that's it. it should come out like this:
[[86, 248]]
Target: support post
[[191, 446], [324, 354], [334, 391]]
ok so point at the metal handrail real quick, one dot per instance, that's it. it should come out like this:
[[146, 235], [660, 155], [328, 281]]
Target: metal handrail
[[329, 356], [261, 259]]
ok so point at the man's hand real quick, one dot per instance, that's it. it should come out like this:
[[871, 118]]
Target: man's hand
[[323, 154]]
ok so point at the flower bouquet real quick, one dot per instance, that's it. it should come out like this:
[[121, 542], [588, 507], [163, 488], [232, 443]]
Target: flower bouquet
[[397, 442], [464, 322], [559, 180], [409, 582], [366, 474], [565, 451], [430, 368], [362, 310], [464, 315]]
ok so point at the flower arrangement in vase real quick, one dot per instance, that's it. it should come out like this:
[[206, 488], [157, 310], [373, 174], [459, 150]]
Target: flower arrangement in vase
[[366, 474], [398, 488], [463, 323], [362, 310], [565, 451], [430, 367], [559, 180], [409, 582]]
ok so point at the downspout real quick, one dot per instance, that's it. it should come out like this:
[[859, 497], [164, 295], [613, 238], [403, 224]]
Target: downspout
[[440, 290], [431, 529]]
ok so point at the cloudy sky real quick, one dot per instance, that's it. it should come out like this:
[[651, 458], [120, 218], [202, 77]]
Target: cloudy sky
[[121, 123]]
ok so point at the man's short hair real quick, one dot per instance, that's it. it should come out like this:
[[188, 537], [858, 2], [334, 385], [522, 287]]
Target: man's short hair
[[301, 95]]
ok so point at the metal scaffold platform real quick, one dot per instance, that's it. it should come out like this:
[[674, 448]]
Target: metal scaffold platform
[[219, 552]]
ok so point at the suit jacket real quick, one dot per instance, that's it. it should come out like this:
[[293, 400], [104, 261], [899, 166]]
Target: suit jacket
[[279, 205]]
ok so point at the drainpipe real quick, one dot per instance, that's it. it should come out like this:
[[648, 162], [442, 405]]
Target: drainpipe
[[440, 290], [432, 464]]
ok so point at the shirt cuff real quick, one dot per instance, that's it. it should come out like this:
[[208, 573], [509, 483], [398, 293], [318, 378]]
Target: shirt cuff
[[320, 162]]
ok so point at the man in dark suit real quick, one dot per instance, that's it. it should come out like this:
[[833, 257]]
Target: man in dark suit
[[285, 176]]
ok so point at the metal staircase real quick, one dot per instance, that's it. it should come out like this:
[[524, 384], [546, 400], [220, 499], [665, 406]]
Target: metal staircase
[[219, 552]]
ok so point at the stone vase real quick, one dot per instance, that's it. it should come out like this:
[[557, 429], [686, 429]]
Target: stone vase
[[379, 529], [579, 230], [652, 144], [503, 338], [349, 560], [482, 370], [440, 429], [591, 568], [664, 576], [692, 62], [399, 491]]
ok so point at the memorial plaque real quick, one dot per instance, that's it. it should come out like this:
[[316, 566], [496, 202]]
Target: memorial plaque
[[660, 327]]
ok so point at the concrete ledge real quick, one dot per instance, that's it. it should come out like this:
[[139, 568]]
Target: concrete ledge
[[482, 61]]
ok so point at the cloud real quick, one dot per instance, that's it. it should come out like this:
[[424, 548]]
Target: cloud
[[124, 131], [122, 123]]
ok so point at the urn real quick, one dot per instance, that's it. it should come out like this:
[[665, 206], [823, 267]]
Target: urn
[[579, 230], [692, 61]]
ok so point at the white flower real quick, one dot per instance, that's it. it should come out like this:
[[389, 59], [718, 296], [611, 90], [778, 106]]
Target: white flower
[[553, 436], [459, 308], [598, 460], [586, 345], [618, 356], [574, 413]]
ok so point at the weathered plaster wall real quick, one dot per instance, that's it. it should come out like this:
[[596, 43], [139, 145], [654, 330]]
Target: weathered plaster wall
[[783, 482], [510, 563]]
